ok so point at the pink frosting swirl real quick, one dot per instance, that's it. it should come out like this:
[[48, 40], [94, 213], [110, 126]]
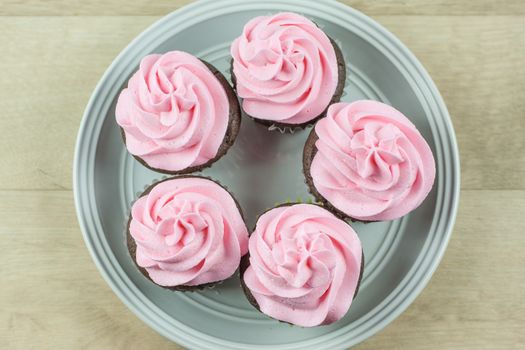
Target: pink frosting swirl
[[285, 68], [371, 161], [174, 112], [188, 231], [305, 265]]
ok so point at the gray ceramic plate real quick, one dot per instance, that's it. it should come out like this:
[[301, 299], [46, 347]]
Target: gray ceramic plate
[[261, 169]]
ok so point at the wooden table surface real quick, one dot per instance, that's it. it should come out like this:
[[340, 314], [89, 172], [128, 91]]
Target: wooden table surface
[[53, 53]]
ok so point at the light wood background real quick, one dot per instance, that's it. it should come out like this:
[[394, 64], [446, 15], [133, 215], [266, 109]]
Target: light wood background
[[53, 53]]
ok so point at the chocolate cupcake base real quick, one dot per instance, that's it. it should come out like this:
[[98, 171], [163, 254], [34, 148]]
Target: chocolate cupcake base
[[132, 245], [245, 263], [290, 128], [132, 248], [234, 124]]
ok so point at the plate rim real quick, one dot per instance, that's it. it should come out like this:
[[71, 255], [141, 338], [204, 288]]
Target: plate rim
[[128, 292]]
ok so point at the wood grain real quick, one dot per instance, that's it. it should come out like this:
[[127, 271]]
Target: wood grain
[[50, 67], [480, 72], [475, 300], [476, 62], [53, 297], [161, 7]]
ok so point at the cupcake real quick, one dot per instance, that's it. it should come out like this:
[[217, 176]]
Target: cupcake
[[186, 233], [286, 70], [178, 114], [368, 162], [304, 265]]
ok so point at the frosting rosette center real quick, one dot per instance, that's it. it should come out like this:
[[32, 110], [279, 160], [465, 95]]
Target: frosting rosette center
[[376, 149], [188, 231], [304, 258], [182, 223], [371, 163], [174, 112], [285, 68], [305, 265]]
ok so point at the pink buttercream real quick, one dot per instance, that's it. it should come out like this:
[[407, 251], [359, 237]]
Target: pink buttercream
[[305, 265], [285, 67], [174, 112], [371, 161], [188, 231]]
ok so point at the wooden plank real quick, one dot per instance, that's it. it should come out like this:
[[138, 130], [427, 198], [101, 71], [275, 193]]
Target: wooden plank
[[475, 299], [53, 297], [476, 62], [161, 7], [50, 67], [480, 71]]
